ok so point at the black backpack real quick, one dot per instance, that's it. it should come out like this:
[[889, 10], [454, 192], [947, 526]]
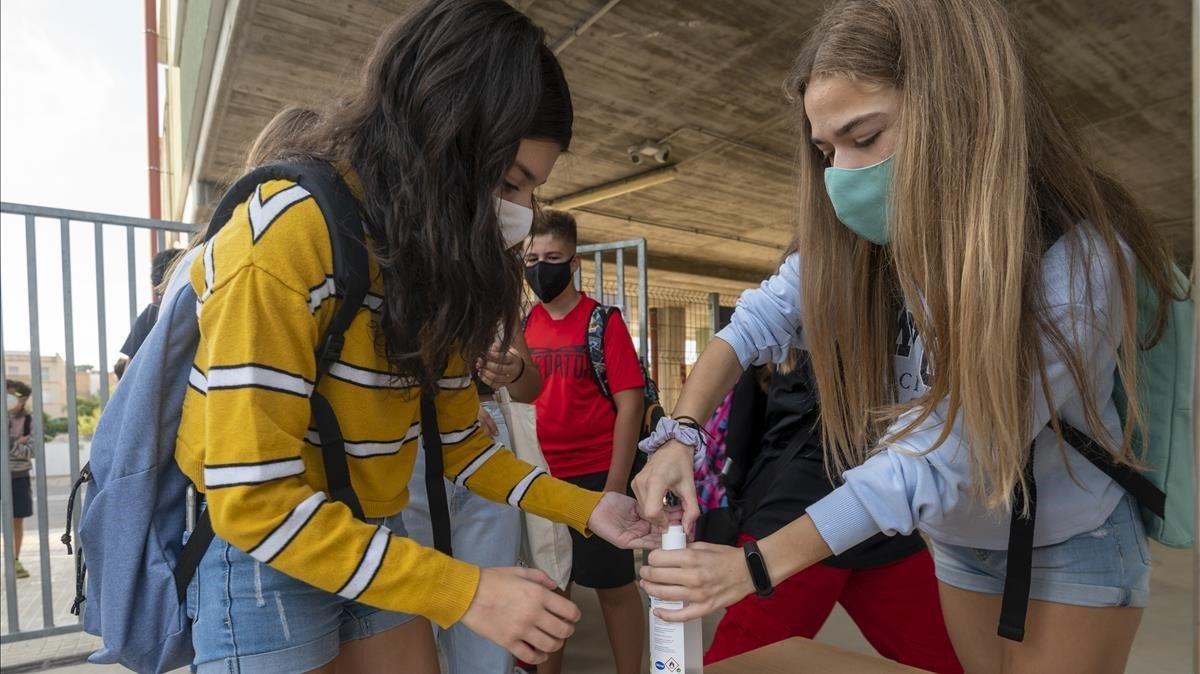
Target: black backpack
[[747, 477]]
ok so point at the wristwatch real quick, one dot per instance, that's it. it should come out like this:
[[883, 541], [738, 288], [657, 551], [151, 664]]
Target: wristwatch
[[758, 570]]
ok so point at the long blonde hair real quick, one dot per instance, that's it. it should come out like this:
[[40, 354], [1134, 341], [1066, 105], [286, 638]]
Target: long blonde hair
[[987, 177]]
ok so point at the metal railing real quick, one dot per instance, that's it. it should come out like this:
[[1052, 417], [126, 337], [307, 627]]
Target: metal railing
[[618, 248], [55, 618], [670, 326]]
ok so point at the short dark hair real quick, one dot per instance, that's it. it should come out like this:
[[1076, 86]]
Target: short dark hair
[[559, 224], [18, 388], [161, 263]]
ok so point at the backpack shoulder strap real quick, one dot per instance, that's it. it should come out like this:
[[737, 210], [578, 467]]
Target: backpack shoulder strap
[[1130, 479], [343, 217], [597, 326], [435, 483], [1017, 580]]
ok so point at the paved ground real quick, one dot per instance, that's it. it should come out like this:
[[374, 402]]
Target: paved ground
[[29, 596], [1163, 646]]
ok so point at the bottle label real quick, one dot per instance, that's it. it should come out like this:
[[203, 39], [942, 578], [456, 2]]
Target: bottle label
[[667, 640]]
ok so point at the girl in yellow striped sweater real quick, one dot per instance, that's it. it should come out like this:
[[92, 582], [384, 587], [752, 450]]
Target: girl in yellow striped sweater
[[460, 114]]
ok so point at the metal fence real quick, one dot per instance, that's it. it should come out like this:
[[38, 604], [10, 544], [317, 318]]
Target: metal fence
[[51, 578], [632, 303], [677, 323]]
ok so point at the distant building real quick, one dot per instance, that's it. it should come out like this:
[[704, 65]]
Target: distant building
[[87, 381], [54, 379]]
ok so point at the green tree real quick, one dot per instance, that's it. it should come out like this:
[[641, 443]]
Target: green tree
[[87, 424], [53, 427], [85, 405]]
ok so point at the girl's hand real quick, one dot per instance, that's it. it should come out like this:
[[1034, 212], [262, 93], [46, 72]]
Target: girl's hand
[[669, 469], [705, 577], [518, 609], [499, 369], [616, 519]]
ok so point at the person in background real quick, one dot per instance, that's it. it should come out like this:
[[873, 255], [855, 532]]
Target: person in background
[[588, 440], [20, 464], [886, 584], [276, 142], [162, 262]]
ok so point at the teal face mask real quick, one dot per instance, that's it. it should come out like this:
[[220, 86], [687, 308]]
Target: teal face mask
[[860, 198]]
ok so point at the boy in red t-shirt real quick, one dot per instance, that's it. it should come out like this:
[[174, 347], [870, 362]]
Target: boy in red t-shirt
[[587, 438]]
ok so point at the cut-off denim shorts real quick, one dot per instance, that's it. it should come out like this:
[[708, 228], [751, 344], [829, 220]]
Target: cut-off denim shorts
[[248, 617], [1106, 567]]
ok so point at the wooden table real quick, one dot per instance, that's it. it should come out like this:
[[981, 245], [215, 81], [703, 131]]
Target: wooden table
[[803, 656]]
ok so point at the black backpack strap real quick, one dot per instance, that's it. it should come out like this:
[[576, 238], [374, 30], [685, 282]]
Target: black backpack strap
[[1014, 603], [1147, 494], [85, 475], [343, 217], [435, 483], [333, 454], [593, 342], [1017, 578], [193, 551]]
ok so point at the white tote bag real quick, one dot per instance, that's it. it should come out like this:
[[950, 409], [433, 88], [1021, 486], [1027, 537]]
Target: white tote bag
[[545, 545]]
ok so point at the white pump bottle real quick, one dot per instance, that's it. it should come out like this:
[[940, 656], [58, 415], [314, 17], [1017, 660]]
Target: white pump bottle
[[675, 648]]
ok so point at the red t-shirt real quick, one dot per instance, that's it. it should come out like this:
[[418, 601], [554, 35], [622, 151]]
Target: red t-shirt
[[574, 420]]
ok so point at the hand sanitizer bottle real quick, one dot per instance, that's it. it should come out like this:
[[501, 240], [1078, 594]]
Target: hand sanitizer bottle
[[675, 648]]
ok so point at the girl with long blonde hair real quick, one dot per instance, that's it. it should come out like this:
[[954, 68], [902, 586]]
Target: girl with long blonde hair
[[965, 284]]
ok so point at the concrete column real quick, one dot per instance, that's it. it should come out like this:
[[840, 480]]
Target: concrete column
[[672, 344]]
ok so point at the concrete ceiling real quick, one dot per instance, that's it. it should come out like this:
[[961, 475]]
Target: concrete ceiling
[[707, 72]]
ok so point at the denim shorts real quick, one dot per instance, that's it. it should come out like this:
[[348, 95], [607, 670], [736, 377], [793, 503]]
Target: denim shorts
[[1105, 567], [248, 617]]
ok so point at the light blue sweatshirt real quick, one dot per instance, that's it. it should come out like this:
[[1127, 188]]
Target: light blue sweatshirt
[[904, 486]]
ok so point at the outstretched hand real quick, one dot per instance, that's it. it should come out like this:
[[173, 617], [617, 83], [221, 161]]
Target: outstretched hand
[[617, 520]]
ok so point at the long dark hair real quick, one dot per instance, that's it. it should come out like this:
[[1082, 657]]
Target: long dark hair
[[443, 103]]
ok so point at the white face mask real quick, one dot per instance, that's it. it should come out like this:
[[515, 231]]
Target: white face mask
[[10, 400], [515, 221]]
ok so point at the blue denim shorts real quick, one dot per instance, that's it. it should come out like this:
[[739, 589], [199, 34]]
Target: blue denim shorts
[[1106, 567], [248, 617]]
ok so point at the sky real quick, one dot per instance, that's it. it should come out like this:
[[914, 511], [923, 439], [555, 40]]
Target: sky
[[72, 135]]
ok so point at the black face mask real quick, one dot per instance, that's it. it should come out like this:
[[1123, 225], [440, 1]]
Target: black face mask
[[549, 279]]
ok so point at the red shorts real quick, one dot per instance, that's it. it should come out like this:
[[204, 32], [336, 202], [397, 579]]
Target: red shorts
[[885, 602]]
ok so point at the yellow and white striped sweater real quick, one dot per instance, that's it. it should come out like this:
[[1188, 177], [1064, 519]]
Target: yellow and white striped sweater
[[245, 440]]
